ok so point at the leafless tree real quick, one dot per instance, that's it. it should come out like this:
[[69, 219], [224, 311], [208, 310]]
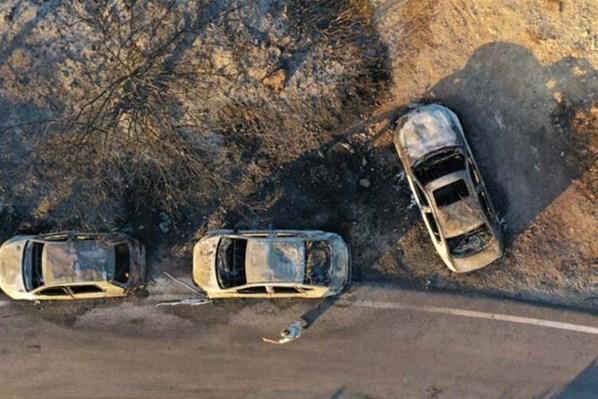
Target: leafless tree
[[166, 103], [131, 121]]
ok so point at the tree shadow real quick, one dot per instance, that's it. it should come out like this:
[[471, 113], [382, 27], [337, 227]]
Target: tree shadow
[[584, 385], [517, 116]]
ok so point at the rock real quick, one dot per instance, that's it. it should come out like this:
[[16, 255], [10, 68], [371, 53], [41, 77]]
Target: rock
[[276, 80], [364, 183]]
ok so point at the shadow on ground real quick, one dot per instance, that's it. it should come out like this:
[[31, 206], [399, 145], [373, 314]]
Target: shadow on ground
[[317, 311]]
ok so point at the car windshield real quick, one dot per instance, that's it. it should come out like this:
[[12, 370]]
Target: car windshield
[[451, 193], [32, 265], [230, 262], [469, 243], [317, 262], [438, 165]]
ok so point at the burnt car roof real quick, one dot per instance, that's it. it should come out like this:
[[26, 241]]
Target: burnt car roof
[[460, 216], [76, 261], [275, 260]]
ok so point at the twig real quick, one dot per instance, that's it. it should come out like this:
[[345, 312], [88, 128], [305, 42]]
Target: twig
[[193, 289]]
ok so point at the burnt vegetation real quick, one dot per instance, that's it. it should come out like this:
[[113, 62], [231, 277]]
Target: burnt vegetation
[[171, 107]]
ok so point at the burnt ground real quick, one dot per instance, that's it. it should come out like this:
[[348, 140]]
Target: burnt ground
[[523, 83]]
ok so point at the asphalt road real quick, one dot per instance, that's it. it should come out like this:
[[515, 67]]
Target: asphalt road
[[371, 343]]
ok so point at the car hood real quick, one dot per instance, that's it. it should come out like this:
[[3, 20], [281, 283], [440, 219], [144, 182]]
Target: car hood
[[341, 265], [204, 260], [277, 260], [426, 130], [11, 266]]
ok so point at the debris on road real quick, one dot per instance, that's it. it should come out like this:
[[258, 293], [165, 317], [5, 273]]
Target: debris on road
[[192, 302]]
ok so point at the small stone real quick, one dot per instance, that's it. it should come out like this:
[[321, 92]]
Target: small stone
[[364, 183], [276, 80]]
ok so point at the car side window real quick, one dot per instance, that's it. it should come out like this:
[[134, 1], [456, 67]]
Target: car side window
[[473, 173], [53, 291], [485, 205], [433, 225], [253, 290], [85, 289], [286, 290], [420, 195]]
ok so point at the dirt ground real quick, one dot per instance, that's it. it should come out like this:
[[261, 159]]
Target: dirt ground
[[522, 77], [316, 150]]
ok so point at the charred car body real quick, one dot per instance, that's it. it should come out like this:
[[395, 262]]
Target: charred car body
[[71, 265], [448, 188], [274, 263]]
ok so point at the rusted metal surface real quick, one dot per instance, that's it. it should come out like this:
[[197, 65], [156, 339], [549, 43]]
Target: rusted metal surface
[[11, 258], [426, 131], [272, 260], [77, 262], [461, 216]]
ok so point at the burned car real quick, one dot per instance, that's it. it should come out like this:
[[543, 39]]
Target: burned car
[[71, 265], [448, 188], [273, 263]]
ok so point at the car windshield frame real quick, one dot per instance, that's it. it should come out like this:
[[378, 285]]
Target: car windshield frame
[[223, 262], [316, 277], [32, 276], [438, 164]]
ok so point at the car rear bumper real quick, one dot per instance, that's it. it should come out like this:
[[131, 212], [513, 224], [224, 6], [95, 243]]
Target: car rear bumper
[[478, 260]]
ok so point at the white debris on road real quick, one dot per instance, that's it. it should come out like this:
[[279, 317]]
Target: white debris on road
[[192, 302]]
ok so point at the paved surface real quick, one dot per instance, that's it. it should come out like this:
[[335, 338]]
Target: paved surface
[[374, 342]]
